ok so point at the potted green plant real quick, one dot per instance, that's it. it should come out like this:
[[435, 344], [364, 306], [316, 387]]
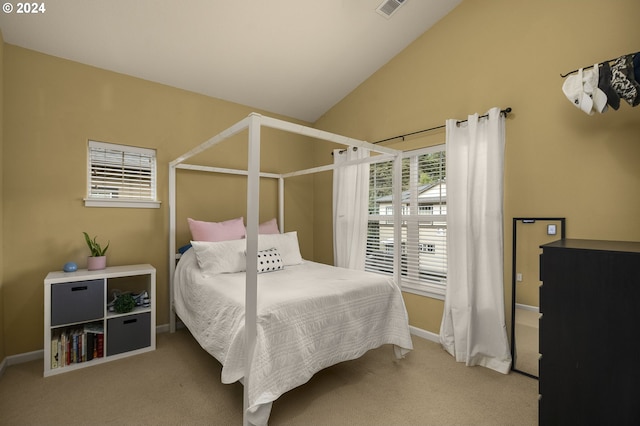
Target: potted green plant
[[124, 303], [98, 259]]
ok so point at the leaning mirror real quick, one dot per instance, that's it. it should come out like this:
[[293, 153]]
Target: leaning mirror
[[528, 235]]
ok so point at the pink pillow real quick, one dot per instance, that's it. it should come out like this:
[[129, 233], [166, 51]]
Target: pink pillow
[[217, 231], [269, 227]]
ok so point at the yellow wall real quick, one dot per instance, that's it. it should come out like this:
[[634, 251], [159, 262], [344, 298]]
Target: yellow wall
[[559, 162], [53, 106]]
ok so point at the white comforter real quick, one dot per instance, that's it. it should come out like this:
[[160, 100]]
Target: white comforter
[[310, 316]]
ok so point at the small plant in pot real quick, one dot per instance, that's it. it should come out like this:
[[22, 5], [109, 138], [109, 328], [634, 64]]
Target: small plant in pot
[[124, 303], [97, 260]]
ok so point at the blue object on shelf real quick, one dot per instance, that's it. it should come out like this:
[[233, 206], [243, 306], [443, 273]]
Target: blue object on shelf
[[70, 267]]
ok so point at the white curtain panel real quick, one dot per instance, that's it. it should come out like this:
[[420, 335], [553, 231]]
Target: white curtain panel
[[473, 327], [350, 201]]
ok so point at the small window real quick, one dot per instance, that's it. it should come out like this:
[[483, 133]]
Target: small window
[[425, 209], [427, 248], [121, 176]]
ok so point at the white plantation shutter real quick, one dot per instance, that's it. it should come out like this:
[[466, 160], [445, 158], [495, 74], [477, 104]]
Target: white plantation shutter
[[425, 220], [121, 176], [379, 249], [424, 223]]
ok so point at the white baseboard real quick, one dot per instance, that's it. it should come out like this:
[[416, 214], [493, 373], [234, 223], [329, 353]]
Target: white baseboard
[[427, 335], [527, 307], [164, 328], [19, 359]]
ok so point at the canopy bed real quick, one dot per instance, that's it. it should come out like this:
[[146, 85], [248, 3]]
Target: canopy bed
[[273, 331]]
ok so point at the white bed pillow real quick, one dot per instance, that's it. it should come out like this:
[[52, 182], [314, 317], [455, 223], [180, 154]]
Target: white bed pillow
[[224, 257], [286, 244], [220, 257]]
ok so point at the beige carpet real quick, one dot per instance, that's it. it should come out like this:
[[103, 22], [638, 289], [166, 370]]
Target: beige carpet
[[179, 384]]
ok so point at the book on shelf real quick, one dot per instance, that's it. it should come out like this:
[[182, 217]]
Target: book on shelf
[[88, 353], [100, 350], [74, 345], [95, 340], [55, 350]]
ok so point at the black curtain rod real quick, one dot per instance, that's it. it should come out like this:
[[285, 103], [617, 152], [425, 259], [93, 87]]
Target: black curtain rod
[[505, 112], [591, 66]]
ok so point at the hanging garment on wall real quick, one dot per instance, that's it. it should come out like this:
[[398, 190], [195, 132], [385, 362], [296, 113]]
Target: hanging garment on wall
[[604, 84], [623, 80], [591, 89], [583, 91]]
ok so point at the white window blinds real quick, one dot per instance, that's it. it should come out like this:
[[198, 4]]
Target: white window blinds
[[423, 221], [121, 176]]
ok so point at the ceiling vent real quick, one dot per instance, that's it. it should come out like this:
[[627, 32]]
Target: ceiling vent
[[389, 7]]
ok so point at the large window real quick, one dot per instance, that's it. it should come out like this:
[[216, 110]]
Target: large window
[[423, 221], [121, 176]]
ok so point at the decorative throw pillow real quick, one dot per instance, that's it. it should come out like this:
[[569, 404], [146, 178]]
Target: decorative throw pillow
[[269, 261], [269, 227], [217, 231]]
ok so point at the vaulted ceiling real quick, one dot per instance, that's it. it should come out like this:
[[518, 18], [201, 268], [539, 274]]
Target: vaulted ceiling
[[292, 57]]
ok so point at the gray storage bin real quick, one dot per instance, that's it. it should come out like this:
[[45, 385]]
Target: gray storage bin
[[128, 333], [77, 301]]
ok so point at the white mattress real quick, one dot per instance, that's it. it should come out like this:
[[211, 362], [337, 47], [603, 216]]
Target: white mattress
[[310, 316]]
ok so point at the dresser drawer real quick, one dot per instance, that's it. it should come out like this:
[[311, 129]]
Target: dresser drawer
[[77, 301]]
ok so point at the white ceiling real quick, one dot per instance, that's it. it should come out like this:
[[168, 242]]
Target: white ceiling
[[292, 57]]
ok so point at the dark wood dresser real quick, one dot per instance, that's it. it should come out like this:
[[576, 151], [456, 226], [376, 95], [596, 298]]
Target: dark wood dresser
[[590, 333]]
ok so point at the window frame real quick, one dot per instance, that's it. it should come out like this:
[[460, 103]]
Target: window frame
[[422, 288], [93, 201]]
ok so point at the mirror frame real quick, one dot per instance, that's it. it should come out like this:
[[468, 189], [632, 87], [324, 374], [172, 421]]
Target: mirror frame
[[563, 227]]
